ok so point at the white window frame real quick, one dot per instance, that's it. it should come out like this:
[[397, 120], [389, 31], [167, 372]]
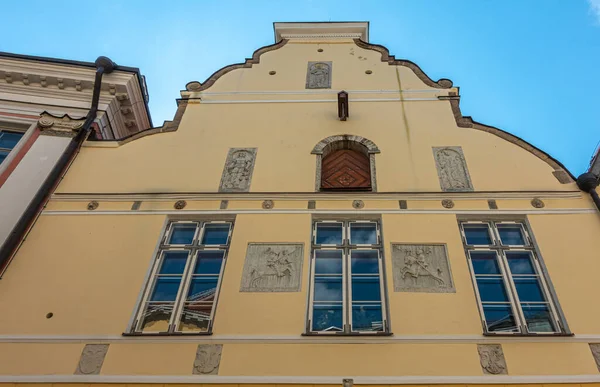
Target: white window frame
[[186, 277], [346, 248], [500, 250]]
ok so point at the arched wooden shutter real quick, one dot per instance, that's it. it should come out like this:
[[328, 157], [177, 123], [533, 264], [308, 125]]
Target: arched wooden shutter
[[346, 169]]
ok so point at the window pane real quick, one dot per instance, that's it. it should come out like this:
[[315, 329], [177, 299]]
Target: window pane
[[363, 234], [529, 289], [165, 289], [202, 289], [182, 234], [520, 262], [328, 317], [195, 317], [3, 156], [492, 289], [156, 317], [329, 233], [365, 262], [366, 289], [484, 262], [500, 318], [538, 318], [9, 139], [367, 317], [477, 235], [173, 262], [511, 235], [328, 289], [215, 234], [209, 262], [328, 261]]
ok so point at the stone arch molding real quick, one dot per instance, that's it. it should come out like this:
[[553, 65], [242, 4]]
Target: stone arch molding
[[370, 145], [327, 143]]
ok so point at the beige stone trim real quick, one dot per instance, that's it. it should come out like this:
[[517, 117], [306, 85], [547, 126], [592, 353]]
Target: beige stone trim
[[168, 126], [198, 86], [291, 380], [391, 60], [560, 172]]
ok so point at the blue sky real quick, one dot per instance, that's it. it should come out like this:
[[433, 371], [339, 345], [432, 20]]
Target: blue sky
[[530, 67]]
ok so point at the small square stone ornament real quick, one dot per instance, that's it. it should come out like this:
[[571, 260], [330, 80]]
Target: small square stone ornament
[[208, 359], [91, 360], [492, 359]]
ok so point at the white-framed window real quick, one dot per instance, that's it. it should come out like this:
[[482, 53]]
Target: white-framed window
[[8, 140], [182, 291], [512, 292], [347, 294]]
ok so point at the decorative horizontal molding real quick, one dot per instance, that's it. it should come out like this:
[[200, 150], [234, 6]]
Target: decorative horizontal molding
[[560, 211], [166, 196], [242, 101], [321, 92], [337, 380], [298, 339]]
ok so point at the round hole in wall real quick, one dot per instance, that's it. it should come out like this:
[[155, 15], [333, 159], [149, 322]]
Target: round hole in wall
[[368, 72], [272, 72], [49, 315], [320, 50]]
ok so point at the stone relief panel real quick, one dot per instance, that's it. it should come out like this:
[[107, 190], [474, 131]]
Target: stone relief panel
[[491, 358], [273, 267], [208, 358], [318, 75], [452, 169], [421, 268], [596, 353], [237, 173], [92, 357]]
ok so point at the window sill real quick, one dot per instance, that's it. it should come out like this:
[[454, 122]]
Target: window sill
[[342, 334], [559, 334], [140, 334]]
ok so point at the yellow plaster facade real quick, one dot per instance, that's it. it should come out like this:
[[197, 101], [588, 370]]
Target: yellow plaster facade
[[80, 275]]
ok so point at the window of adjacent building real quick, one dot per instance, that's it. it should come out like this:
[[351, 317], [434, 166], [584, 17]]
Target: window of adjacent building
[[184, 284], [346, 167], [513, 294], [347, 282], [8, 140]]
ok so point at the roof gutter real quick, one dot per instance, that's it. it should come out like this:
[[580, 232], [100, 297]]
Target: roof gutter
[[103, 66]]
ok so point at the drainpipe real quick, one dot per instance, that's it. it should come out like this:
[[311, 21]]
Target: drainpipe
[[588, 182], [103, 66]]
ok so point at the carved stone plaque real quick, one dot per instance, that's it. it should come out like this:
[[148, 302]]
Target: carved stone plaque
[[596, 353], [452, 169], [208, 358], [273, 267], [491, 358], [421, 268], [237, 173], [318, 75], [92, 357]]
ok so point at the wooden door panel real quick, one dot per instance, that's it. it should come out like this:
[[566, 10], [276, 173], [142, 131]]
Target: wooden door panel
[[346, 169]]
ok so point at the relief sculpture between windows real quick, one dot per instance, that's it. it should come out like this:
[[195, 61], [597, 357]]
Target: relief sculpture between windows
[[421, 268], [272, 268]]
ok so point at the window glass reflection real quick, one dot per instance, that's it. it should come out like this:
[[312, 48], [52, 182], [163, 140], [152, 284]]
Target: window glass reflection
[[329, 234], [363, 234], [478, 235]]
